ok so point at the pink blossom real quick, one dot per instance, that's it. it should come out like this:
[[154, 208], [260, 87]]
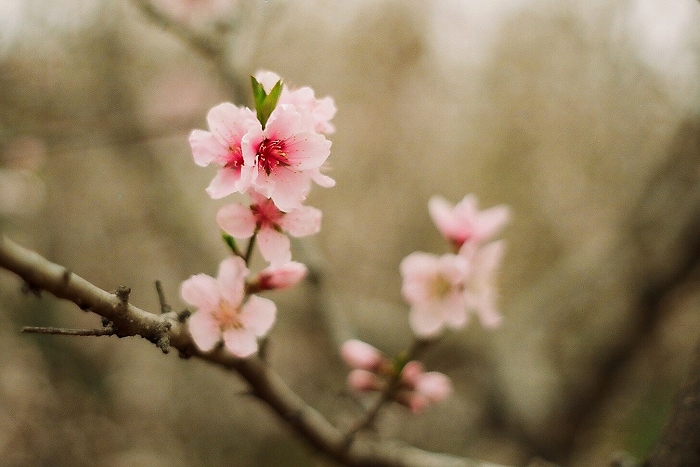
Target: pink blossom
[[222, 146], [281, 160], [269, 221], [280, 277], [480, 292], [304, 100], [464, 223], [361, 355], [221, 311], [433, 286]]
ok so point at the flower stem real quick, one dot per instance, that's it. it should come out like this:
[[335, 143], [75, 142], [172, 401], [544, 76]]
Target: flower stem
[[249, 250]]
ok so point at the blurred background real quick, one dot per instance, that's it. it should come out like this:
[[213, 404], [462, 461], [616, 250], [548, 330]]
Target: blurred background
[[581, 115]]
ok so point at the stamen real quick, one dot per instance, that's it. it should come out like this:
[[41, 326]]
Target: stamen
[[271, 155]]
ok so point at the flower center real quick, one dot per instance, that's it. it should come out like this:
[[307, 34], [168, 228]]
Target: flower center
[[227, 316], [234, 159], [267, 214], [440, 287], [271, 155]]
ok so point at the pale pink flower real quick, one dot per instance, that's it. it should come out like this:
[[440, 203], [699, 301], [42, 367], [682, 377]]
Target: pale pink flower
[[304, 100], [464, 223], [480, 291], [221, 312], [433, 286], [280, 277], [361, 355], [222, 146], [281, 160], [264, 216]]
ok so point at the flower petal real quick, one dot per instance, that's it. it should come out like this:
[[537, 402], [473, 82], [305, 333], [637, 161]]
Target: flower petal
[[307, 151], [205, 147], [200, 291], [229, 123], [231, 280], [258, 315], [426, 320], [236, 220], [275, 247], [240, 342], [302, 222], [204, 330], [225, 182]]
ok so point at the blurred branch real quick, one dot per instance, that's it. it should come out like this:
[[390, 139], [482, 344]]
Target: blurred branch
[[679, 444], [166, 330], [210, 46]]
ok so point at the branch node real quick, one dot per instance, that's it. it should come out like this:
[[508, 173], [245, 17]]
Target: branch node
[[183, 315], [162, 340], [67, 273], [122, 294], [28, 288]]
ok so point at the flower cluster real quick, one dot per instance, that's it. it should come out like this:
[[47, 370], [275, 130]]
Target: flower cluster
[[442, 290], [413, 387], [272, 154]]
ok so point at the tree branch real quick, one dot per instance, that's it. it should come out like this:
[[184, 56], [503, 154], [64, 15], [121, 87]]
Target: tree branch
[[167, 330]]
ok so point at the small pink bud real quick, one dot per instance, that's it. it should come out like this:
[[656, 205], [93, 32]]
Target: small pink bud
[[364, 381], [412, 372], [361, 355], [434, 385], [281, 277]]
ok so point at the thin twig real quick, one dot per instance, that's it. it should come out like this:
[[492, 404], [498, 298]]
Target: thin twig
[[164, 307], [107, 331]]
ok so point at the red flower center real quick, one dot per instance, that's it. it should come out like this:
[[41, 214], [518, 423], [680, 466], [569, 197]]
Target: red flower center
[[234, 159], [267, 214], [271, 155]]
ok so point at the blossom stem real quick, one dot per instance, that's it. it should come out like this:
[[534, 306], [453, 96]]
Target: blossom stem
[[249, 250]]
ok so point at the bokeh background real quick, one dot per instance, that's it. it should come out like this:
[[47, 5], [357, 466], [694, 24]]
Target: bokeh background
[[580, 115]]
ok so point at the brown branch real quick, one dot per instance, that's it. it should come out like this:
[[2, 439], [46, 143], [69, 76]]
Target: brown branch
[[167, 330], [679, 445]]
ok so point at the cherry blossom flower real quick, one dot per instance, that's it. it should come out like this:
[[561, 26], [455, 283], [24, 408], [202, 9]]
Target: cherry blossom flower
[[269, 221], [433, 286], [223, 314], [279, 277], [480, 292], [304, 100], [285, 157], [222, 146], [464, 223]]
